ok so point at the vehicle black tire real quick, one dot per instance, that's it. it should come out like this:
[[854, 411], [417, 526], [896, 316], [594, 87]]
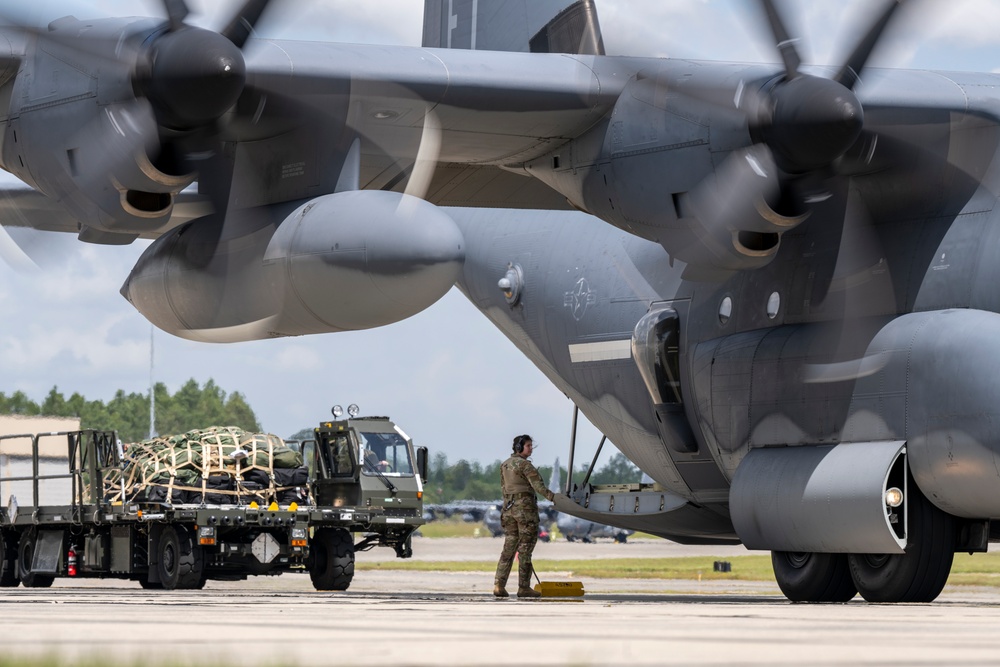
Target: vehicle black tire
[[150, 585], [8, 560], [812, 577], [920, 573], [25, 554], [180, 561], [332, 560]]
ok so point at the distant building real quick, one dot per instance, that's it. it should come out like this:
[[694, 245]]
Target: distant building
[[15, 458]]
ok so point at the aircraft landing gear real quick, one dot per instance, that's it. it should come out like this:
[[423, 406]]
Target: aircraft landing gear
[[919, 574], [811, 577]]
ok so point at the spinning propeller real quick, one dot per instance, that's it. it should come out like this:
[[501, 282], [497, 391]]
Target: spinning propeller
[[176, 94], [170, 85], [808, 134], [803, 128], [808, 122]]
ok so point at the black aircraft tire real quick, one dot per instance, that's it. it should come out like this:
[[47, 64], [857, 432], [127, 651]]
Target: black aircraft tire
[[8, 561], [150, 585], [25, 554], [332, 562], [919, 574], [811, 577], [180, 560]]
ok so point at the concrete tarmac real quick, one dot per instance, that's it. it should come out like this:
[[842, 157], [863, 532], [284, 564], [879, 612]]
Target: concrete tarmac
[[439, 618]]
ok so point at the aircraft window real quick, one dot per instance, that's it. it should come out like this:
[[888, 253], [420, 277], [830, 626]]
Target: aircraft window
[[387, 453], [773, 305], [726, 310]]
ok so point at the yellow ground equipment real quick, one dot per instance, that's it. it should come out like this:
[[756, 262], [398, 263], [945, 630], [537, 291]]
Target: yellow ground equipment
[[558, 589]]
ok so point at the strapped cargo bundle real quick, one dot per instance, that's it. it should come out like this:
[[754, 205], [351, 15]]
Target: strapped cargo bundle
[[219, 465]]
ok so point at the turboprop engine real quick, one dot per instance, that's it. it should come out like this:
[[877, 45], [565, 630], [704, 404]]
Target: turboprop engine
[[342, 262], [731, 219], [750, 154]]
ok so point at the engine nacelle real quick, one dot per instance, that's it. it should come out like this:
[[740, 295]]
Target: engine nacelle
[[342, 262], [90, 144], [730, 221], [715, 216]]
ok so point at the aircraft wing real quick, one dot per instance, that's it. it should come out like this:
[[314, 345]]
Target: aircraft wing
[[485, 114], [473, 118]]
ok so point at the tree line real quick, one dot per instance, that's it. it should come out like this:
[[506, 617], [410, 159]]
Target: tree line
[[195, 406], [190, 407], [474, 481]]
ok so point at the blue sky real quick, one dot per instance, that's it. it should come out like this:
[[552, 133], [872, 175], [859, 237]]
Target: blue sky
[[449, 379]]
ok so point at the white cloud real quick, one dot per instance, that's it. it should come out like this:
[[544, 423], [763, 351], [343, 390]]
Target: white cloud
[[965, 22], [294, 358]]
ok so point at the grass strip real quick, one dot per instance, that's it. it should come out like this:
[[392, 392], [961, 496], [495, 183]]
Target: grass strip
[[968, 570], [976, 570], [454, 528], [744, 568]]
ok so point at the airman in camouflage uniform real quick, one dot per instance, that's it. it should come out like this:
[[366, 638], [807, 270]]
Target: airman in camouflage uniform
[[519, 481]]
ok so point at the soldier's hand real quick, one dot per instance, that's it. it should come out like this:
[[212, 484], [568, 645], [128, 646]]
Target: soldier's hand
[[550, 496]]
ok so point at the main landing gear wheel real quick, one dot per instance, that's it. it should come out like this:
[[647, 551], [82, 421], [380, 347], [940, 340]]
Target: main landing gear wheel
[[810, 577], [25, 555], [181, 562], [332, 560], [919, 574]]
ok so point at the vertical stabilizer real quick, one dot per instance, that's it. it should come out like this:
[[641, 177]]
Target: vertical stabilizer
[[538, 26], [555, 479]]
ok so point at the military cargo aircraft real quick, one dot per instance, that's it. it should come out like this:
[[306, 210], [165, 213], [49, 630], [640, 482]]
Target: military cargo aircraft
[[771, 286]]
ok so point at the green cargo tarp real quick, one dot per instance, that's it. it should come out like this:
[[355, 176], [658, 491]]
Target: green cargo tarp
[[176, 468]]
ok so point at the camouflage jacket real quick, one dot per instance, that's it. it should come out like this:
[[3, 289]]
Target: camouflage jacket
[[518, 475]]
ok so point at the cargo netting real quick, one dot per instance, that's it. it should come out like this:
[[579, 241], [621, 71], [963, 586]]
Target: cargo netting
[[219, 465]]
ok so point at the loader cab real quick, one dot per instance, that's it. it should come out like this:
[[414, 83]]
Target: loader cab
[[384, 451], [361, 460]]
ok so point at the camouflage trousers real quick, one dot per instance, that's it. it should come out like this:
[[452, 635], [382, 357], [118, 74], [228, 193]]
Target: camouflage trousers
[[520, 529]]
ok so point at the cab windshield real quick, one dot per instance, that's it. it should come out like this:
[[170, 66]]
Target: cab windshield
[[385, 453]]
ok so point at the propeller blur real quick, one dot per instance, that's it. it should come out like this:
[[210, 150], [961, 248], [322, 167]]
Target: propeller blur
[[773, 287]]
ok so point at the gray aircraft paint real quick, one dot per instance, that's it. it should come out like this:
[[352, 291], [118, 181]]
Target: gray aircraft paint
[[512, 25], [789, 331]]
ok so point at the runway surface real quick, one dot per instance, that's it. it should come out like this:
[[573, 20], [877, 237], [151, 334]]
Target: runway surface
[[437, 618]]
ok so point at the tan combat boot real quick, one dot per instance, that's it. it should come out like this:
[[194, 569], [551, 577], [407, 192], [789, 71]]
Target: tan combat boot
[[499, 591], [528, 593]]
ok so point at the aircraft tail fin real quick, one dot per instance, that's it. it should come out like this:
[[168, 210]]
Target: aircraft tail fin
[[536, 26], [555, 479]]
